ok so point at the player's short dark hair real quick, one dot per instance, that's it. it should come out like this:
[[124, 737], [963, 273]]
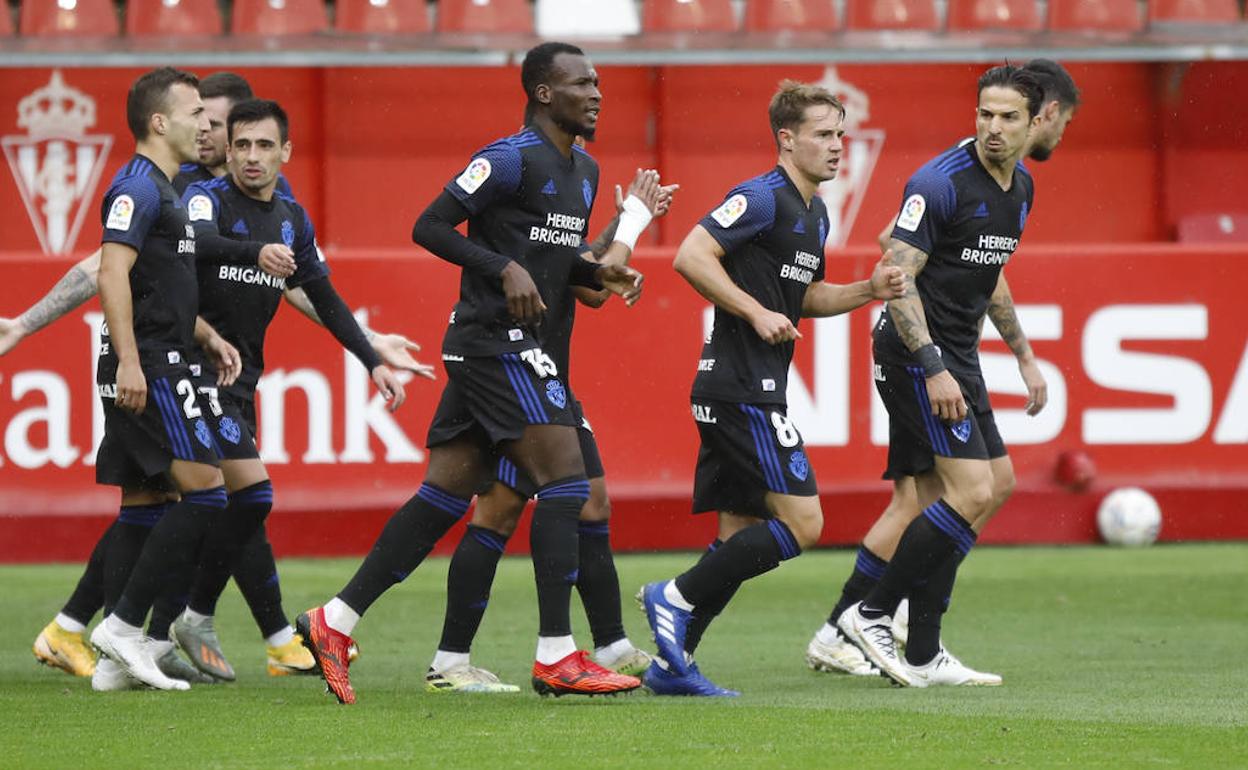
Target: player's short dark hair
[[150, 95], [228, 84], [789, 104], [256, 110], [1019, 79], [539, 63], [1055, 81]]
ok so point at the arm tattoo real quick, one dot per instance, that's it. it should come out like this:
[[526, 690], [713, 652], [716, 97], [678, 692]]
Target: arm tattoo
[[600, 244], [74, 288], [1001, 312], [907, 312]]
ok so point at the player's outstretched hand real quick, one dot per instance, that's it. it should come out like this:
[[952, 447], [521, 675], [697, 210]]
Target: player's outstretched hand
[[277, 260], [622, 280], [393, 349], [666, 193], [391, 388], [225, 359], [131, 387], [887, 280], [946, 398], [11, 333], [524, 302], [646, 188], [1037, 388], [774, 328]]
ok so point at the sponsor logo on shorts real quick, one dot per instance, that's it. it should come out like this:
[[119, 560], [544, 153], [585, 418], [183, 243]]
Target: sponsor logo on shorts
[[769, 385], [452, 357], [961, 431], [799, 466], [202, 433], [702, 413], [556, 394], [515, 335], [174, 357], [879, 373], [706, 364], [196, 369], [107, 391], [229, 430]]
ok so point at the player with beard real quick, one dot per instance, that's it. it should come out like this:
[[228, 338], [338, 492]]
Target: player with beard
[[527, 200], [828, 650]]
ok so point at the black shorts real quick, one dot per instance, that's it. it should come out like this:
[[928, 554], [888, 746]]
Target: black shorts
[[916, 436], [747, 451], [177, 424], [235, 418], [509, 475], [502, 395]]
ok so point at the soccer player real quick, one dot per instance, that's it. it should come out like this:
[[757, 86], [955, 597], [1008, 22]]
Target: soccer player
[[759, 257], [498, 511], [959, 224], [149, 295], [61, 644], [828, 650], [527, 200]]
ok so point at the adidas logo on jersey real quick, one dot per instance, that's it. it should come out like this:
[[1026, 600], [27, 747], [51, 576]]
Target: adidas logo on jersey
[[549, 188], [240, 228], [982, 211], [800, 227]]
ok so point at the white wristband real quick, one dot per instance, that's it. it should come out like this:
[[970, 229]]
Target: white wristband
[[634, 220]]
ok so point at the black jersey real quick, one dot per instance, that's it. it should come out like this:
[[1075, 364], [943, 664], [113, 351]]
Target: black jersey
[[239, 300], [773, 244], [526, 201], [190, 173], [141, 210], [956, 213]]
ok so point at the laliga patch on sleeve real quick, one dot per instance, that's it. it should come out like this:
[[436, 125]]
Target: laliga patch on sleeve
[[912, 213], [474, 176], [199, 209], [120, 213], [730, 211]]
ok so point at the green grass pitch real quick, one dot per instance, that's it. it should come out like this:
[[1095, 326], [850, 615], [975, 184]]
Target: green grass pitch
[[1111, 658]]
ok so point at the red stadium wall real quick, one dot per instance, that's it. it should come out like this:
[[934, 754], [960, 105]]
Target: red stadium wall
[[1143, 346], [1124, 323]]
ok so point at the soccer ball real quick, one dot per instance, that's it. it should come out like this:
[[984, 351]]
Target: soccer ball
[[1128, 516]]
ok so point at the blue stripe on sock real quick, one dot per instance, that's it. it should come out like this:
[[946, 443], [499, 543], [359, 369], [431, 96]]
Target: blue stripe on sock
[[256, 493], [594, 528], [577, 489], [491, 540], [784, 538], [950, 524], [208, 498], [869, 564], [454, 506], [142, 515]]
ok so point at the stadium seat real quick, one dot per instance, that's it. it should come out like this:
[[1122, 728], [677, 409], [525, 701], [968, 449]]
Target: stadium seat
[[382, 17], [278, 17], [795, 15], [891, 14], [1094, 15], [6, 22], [993, 14], [68, 18], [485, 16], [173, 18], [1214, 228], [587, 18], [688, 16], [1193, 11]]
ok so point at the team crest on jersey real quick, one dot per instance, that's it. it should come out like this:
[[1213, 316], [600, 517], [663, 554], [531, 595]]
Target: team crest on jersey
[[1022, 217], [120, 214], [912, 212], [587, 190], [730, 211], [199, 208], [799, 466], [474, 176], [556, 394], [202, 433], [56, 163], [961, 431], [229, 430], [288, 233]]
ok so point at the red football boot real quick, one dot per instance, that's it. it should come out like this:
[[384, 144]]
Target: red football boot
[[331, 649], [577, 674]]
